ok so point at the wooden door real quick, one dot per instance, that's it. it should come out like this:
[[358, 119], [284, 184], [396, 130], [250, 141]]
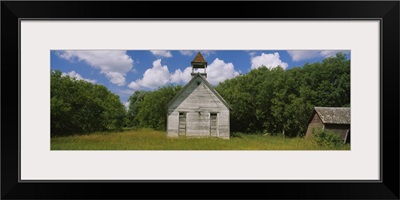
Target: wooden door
[[213, 124], [182, 124]]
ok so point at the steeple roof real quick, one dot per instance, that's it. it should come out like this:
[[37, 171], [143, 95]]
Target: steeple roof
[[199, 58]]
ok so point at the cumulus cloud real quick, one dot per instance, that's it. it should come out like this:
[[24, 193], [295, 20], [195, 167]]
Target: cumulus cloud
[[182, 76], [154, 77], [159, 75], [162, 53], [116, 78], [268, 60], [134, 85], [113, 64], [77, 76], [219, 71], [298, 55]]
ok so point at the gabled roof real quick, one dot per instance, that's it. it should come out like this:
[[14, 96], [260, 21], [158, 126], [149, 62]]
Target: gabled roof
[[207, 84], [333, 115], [199, 59]]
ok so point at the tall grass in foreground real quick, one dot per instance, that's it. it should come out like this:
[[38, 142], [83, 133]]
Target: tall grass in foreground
[[147, 139]]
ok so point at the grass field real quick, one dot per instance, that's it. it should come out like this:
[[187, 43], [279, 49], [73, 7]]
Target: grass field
[[147, 139]]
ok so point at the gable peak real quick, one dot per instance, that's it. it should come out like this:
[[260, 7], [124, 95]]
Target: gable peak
[[199, 58]]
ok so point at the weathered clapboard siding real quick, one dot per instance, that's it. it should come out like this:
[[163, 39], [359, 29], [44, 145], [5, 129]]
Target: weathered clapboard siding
[[340, 129], [223, 124], [315, 124], [173, 123], [213, 125], [335, 119], [198, 110], [199, 102], [182, 124], [197, 98]]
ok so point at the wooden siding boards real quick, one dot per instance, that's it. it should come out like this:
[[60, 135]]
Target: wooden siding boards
[[173, 124], [182, 124], [315, 123], [333, 119], [340, 129], [178, 98], [198, 100]]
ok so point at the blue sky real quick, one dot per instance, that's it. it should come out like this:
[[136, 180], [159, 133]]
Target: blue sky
[[125, 71]]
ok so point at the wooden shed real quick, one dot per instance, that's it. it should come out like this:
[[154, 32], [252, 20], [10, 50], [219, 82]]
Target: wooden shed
[[198, 110], [335, 119]]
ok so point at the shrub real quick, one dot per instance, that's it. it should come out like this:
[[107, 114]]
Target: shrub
[[327, 138]]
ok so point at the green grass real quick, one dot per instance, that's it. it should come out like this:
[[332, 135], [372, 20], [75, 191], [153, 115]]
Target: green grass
[[147, 139]]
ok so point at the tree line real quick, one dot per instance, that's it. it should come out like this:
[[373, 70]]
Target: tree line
[[274, 101], [278, 101], [149, 108], [78, 106]]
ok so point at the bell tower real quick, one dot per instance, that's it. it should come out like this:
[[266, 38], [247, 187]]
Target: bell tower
[[197, 63]]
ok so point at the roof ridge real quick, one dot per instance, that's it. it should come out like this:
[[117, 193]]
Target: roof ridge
[[207, 84]]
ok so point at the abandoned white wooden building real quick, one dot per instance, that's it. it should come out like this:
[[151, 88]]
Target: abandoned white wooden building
[[198, 110]]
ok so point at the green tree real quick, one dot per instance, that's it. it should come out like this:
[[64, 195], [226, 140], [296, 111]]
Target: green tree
[[135, 101], [149, 108], [78, 106], [280, 101]]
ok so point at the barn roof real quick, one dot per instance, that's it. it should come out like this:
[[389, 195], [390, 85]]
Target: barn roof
[[205, 83], [199, 58], [333, 115]]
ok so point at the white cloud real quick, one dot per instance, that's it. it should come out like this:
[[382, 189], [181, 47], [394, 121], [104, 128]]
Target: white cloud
[[298, 55], [252, 54], [268, 60], [182, 77], [77, 76], [162, 53], [134, 85], [194, 52], [126, 104], [114, 64], [159, 75], [154, 77], [116, 78], [219, 71]]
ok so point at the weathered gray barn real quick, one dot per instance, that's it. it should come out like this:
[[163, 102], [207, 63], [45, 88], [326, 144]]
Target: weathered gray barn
[[198, 110], [334, 119]]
